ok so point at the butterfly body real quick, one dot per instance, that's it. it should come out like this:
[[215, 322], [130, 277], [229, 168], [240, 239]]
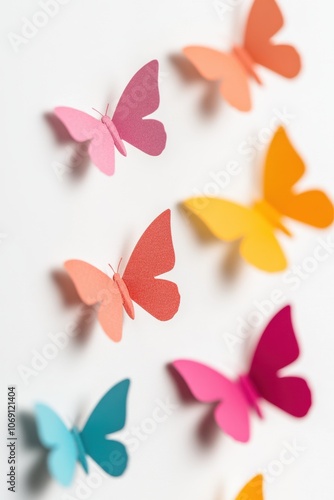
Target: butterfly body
[[123, 290], [247, 62], [107, 121], [271, 215], [81, 453], [250, 393]]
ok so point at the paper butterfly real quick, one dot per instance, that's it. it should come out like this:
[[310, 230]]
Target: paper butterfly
[[67, 447], [237, 67], [256, 225], [253, 490], [139, 99], [153, 255], [277, 349]]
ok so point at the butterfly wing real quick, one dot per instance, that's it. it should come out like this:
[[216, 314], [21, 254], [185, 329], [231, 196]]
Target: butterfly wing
[[108, 417], [55, 436], [83, 127], [229, 221], [140, 99], [95, 287], [264, 21], [277, 349], [154, 255], [253, 490], [102, 151], [209, 386], [283, 168], [214, 65]]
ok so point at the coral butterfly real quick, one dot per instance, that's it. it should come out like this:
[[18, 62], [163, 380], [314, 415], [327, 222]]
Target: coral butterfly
[[237, 67], [152, 256]]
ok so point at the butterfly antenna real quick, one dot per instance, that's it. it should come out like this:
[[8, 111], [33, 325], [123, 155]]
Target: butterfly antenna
[[119, 264], [113, 270], [107, 109], [97, 111]]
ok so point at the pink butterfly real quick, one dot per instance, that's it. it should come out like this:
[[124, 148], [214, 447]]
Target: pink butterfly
[[276, 349], [139, 99]]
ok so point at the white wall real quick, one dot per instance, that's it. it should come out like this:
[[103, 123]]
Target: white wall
[[84, 57]]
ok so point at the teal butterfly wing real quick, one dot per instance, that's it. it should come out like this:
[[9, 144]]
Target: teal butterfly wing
[[108, 417], [55, 436]]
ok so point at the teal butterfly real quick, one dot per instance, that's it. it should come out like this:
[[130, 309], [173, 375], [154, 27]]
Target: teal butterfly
[[67, 447]]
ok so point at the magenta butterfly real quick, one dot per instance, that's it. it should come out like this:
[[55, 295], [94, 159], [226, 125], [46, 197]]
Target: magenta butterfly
[[277, 349], [139, 99]]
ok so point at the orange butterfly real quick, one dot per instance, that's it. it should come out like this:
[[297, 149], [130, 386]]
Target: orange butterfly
[[235, 68], [253, 490], [256, 226], [153, 255]]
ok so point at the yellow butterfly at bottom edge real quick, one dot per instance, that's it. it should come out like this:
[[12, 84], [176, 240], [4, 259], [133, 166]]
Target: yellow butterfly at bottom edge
[[253, 490], [256, 226]]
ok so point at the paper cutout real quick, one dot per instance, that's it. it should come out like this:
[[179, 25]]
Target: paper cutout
[[153, 255], [236, 68], [253, 490], [256, 226], [277, 349], [139, 99], [67, 447]]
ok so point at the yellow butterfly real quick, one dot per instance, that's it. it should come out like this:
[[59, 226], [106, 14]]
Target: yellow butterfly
[[256, 225], [253, 490]]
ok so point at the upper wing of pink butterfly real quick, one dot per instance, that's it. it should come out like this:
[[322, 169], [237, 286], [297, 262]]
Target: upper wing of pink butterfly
[[139, 99]]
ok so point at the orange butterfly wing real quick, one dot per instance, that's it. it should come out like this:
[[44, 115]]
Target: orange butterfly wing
[[264, 21], [214, 65], [253, 490], [153, 255], [95, 287], [283, 168]]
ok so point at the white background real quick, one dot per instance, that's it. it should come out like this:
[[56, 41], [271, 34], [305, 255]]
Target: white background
[[84, 57]]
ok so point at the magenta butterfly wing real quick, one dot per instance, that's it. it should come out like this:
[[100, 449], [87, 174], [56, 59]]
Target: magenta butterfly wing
[[277, 349]]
